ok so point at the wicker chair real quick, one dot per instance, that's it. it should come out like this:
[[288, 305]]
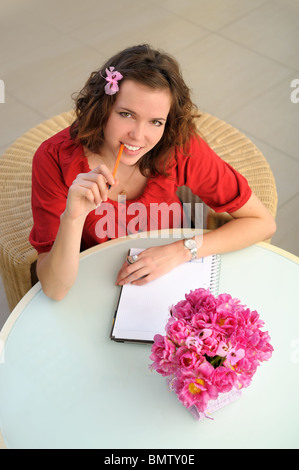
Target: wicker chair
[[18, 258]]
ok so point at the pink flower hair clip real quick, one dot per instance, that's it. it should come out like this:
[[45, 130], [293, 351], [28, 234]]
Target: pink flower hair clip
[[112, 78]]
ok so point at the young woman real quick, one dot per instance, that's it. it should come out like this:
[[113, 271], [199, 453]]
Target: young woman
[[139, 99]]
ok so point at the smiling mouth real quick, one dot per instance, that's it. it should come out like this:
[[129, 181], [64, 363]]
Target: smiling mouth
[[131, 147]]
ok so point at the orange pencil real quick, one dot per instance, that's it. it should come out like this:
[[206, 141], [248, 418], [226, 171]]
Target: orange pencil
[[117, 162], [118, 159]]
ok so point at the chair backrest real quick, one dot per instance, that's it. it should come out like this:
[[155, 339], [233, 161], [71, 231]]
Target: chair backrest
[[17, 255]]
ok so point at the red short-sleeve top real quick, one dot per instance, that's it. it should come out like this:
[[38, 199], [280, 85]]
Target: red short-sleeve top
[[59, 160]]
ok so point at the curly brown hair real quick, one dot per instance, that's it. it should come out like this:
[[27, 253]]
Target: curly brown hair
[[149, 67]]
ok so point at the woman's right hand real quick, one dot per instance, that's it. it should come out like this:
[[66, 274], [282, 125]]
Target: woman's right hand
[[88, 191]]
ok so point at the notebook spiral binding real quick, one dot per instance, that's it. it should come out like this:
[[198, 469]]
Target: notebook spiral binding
[[215, 274]]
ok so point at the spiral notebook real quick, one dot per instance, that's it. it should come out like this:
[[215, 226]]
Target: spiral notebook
[[143, 311]]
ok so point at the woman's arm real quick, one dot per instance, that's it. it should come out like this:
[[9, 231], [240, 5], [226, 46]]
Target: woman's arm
[[57, 270], [250, 224]]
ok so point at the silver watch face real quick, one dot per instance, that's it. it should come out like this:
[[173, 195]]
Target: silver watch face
[[190, 243]]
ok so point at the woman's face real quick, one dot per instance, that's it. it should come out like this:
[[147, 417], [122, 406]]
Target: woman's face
[[137, 120]]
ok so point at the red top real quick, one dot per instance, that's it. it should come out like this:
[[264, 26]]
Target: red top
[[59, 160]]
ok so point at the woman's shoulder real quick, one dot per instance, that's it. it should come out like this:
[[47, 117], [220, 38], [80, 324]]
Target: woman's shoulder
[[59, 146], [198, 153], [60, 139], [60, 153], [192, 153]]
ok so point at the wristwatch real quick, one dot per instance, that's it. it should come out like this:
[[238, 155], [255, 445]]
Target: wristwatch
[[191, 245]]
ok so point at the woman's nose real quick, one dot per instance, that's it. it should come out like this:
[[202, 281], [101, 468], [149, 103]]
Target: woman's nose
[[137, 131]]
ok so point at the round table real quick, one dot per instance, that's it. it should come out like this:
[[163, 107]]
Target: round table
[[65, 384]]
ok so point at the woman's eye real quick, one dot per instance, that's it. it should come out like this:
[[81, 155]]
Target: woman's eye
[[125, 114], [157, 123]]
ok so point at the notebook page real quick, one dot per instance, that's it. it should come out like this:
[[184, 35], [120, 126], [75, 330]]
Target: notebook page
[[143, 311]]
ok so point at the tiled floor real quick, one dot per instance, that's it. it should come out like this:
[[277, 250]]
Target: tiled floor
[[238, 56]]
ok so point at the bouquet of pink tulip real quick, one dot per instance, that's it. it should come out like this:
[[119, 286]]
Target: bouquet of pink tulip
[[213, 345]]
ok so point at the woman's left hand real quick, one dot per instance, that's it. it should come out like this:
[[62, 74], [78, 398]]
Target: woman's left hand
[[152, 263]]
